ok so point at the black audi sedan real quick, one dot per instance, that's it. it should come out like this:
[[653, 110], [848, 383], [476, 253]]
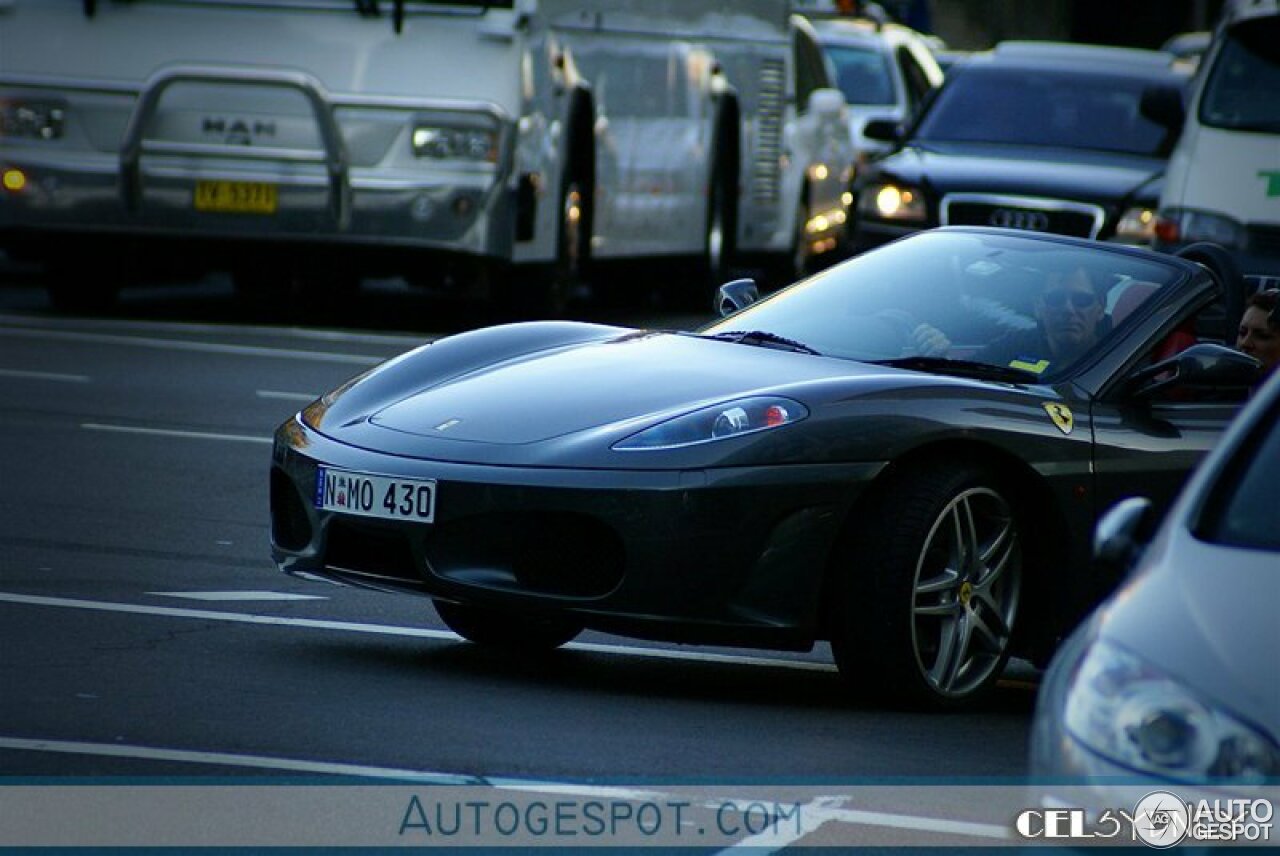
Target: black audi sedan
[[1038, 136]]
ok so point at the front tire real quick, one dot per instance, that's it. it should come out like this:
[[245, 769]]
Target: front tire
[[506, 630], [928, 594]]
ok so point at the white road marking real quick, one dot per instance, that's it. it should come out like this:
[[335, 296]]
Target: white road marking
[[816, 813], [286, 396], [67, 378], [167, 432], [204, 347], [225, 759], [392, 630], [237, 595], [22, 322]]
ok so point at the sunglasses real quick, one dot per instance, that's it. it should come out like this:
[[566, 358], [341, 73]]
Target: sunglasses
[[1079, 299]]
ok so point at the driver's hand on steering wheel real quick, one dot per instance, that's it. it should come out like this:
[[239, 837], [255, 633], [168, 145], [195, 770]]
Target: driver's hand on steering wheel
[[930, 341]]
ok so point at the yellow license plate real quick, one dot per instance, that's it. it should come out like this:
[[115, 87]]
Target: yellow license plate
[[236, 197]]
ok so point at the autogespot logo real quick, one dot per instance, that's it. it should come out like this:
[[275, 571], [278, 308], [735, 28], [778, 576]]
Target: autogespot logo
[[1012, 218], [1161, 819]]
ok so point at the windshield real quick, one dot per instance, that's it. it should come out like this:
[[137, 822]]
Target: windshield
[[1061, 108], [997, 300], [1243, 89], [862, 75]]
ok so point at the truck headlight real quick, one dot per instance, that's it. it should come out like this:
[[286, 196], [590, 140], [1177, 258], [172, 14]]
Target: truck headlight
[[888, 201], [32, 120], [445, 143], [1185, 226], [1136, 715]]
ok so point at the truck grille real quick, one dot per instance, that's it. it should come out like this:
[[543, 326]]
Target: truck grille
[[1057, 216], [764, 171]]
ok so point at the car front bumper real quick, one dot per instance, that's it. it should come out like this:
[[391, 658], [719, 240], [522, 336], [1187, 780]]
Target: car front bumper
[[731, 556]]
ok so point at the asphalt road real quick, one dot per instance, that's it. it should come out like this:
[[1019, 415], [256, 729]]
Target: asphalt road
[[146, 632]]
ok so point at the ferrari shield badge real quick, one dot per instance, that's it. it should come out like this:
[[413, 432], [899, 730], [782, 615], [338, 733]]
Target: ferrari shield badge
[[1061, 416]]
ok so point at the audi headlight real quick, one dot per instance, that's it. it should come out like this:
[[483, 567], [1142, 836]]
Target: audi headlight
[[719, 422], [1137, 225], [1185, 226], [444, 143], [33, 120], [886, 201], [1140, 717]]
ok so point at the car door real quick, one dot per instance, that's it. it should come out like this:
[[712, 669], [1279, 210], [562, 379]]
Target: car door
[[1148, 445]]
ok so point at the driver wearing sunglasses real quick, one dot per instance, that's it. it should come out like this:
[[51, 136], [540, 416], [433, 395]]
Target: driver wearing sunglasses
[[1069, 313]]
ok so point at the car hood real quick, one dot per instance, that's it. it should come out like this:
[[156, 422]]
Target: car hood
[[546, 394], [1205, 614], [1023, 171]]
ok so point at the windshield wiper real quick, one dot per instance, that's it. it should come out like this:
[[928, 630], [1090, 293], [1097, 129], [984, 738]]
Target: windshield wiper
[[765, 339], [961, 368]]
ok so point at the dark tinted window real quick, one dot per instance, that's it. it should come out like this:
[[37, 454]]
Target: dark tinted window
[[1243, 89], [1244, 507], [1070, 109]]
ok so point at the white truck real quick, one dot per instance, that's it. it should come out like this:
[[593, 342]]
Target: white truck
[[500, 146]]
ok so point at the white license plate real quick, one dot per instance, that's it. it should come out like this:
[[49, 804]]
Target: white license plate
[[376, 496]]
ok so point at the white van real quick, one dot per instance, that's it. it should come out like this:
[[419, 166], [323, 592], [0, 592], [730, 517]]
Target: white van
[[453, 140], [1223, 180]]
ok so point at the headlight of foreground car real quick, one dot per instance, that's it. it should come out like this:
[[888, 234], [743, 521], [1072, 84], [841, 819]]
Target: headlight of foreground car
[[1137, 225], [1140, 717], [1181, 226], [720, 422], [892, 202]]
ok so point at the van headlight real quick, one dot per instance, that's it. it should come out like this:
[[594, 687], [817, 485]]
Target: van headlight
[[1140, 717], [1137, 225], [444, 143]]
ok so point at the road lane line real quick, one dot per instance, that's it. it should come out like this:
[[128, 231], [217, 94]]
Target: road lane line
[[393, 630], [204, 347], [116, 750], [24, 322], [236, 595], [286, 396], [166, 432], [68, 378]]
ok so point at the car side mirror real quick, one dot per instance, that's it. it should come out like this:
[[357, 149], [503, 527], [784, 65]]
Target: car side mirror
[[1163, 105], [1204, 366], [827, 103], [736, 295], [882, 131], [1122, 534]]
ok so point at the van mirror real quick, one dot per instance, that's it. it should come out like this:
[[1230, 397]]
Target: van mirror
[[882, 131], [828, 103]]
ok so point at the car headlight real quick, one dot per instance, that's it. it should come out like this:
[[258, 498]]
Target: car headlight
[[1184, 226], [444, 143], [1140, 717], [719, 422], [1137, 225], [887, 201], [32, 120]]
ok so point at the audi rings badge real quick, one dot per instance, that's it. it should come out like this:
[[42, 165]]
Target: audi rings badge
[[1013, 218]]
